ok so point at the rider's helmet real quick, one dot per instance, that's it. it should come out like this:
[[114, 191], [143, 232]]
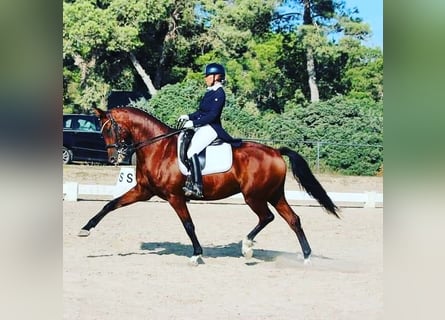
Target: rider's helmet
[[215, 68]]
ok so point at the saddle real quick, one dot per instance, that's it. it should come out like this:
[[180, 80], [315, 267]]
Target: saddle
[[215, 158]]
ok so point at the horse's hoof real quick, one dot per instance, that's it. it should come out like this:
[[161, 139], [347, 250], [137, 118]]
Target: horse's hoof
[[196, 260], [246, 248], [83, 233], [307, 261]]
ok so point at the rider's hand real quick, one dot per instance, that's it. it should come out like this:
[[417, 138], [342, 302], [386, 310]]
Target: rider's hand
[[188, 124], [183, 117]]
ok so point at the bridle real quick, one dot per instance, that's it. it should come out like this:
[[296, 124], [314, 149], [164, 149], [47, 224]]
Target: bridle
[[122, 147], [119, 144], [115, 131]]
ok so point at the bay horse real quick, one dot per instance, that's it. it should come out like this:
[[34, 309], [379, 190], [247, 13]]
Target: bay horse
[[258, 173]]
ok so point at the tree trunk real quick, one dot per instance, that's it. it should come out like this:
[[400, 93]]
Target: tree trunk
[[84, 67], [169, 36], [310, 66], [145, 77]]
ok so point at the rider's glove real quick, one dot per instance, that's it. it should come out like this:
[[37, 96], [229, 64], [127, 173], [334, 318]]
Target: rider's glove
[[188, 124]]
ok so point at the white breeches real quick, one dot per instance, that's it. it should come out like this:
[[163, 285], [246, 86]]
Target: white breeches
[[203, 137]]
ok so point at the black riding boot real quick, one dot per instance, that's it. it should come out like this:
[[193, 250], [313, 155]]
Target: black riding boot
[[193, 187]]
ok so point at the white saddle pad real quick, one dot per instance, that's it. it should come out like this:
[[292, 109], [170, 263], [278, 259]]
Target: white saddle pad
[[218, 159]]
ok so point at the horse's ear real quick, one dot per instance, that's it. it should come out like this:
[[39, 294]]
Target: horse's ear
[[98, 112]]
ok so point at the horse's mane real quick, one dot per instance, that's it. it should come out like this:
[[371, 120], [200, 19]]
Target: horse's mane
[[144, 114]]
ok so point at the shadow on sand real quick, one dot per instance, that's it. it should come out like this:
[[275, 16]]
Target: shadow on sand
[[232, 250], [229, 250]]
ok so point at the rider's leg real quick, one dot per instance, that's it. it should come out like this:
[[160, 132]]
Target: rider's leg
[[202, 138], [195, 187]]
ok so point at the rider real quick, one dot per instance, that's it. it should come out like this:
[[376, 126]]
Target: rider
[[207, 123]]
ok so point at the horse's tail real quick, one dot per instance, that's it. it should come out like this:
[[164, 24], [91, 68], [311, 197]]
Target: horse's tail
[[303, 174]]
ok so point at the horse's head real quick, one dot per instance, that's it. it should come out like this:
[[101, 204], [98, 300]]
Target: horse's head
[[116, 136]]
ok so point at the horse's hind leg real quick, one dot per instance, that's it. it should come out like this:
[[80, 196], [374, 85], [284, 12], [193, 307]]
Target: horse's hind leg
[[265, 216], [294, 222], [133, 195]]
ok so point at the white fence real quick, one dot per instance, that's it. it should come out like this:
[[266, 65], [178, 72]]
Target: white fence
[[72, 191]]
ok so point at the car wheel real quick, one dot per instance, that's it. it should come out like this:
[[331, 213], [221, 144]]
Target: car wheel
[[67, 155]]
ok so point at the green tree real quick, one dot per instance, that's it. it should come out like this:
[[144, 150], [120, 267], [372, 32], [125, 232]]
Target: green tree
[[175, 99], [318, 24], [89, 31], [314, 15], [237, 34], [350, 130], [362, 74], [230, 25], [95, 34]]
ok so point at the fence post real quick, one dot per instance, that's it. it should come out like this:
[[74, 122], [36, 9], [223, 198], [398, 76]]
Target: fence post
[[71, 191], [370, 200]]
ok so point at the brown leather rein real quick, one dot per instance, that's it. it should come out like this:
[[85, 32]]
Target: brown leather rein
[[123, 146]]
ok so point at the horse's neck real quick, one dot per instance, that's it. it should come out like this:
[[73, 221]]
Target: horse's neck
[[148, 129], [154, 130], [142, 125], [155, 142]]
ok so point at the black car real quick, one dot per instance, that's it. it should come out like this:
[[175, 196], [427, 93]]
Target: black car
[[83, 141]]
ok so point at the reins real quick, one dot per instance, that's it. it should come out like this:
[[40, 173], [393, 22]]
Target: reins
[[102, 128], [141, 144], [137, 145]]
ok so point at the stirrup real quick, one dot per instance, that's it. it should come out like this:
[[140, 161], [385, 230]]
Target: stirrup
[[192, 192], [188, 184]]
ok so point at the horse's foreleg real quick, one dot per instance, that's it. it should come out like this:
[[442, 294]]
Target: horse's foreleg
[[294, 222], [179, 205], [133, 195], [265, 217]]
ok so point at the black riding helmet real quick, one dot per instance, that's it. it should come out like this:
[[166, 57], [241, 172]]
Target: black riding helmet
[[215, 68]]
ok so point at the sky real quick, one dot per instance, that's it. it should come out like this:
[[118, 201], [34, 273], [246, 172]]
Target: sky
[[371, 11]]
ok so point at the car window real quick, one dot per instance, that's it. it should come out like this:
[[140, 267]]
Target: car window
[[67, 123], [80, 123], [86, 125]]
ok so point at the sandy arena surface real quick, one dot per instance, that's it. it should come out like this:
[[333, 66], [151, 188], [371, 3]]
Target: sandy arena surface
[[134, 265]]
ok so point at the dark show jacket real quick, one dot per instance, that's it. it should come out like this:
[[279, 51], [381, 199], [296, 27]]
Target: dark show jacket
[[209, 112]]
